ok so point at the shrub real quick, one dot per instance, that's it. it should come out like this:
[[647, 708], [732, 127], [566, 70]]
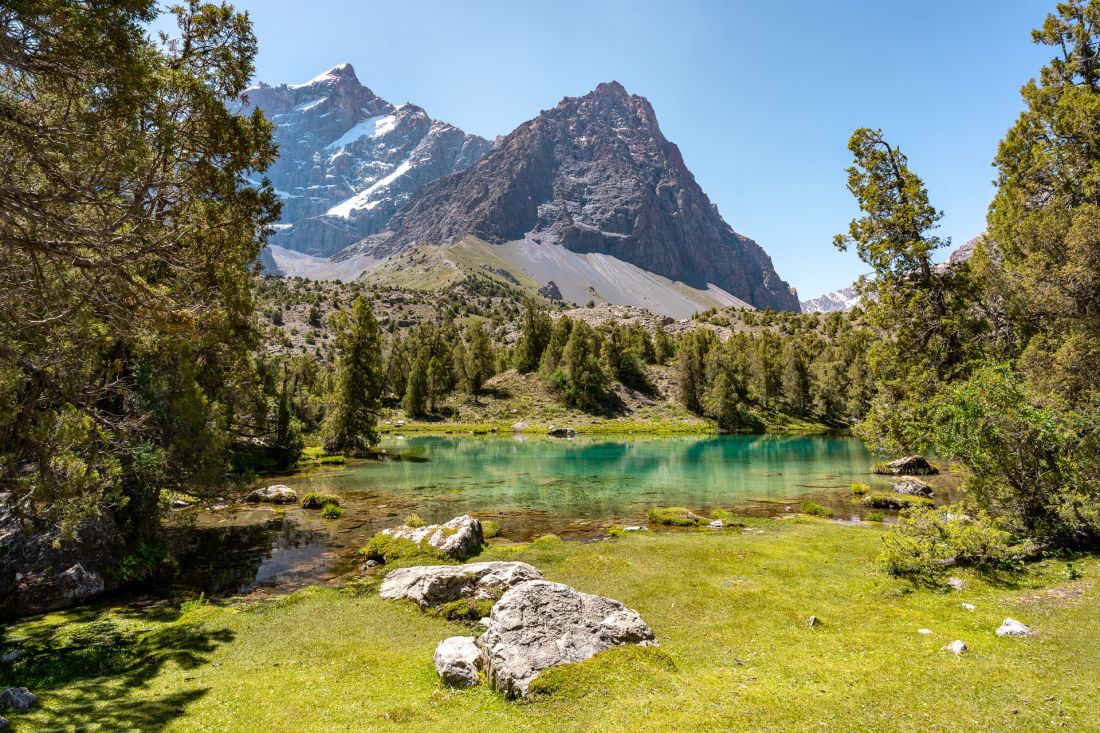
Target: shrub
[[414, 520], [926, 542], [331, 511], [673, 516], [895, 501], [875, 516], [490, 528], [317, 500], [815, 510], [859, 488]]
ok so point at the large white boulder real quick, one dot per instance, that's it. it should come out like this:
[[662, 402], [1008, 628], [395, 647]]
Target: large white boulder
[[1012, 627], [460, 538], [537, 625], [913, 486], [275, 494], [433, 585]]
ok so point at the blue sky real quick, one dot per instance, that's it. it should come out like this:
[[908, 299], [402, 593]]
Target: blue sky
[[761, 97]]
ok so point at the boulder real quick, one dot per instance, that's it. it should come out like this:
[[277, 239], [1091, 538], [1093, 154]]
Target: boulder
[[460, 538], [457, 660], [957, 647], [556, 432], [1012, 627], [537, 625], [956, 583], [913, 486], [17, 698], [909, 465], [275, 494], [33, 552], [717, 524], [550, 291], [519, 427], [434, 585]]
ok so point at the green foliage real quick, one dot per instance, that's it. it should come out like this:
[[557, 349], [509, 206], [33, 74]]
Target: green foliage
[[331, 511], [468, 610], [534, 336], [895, 501], [414, 520], [859, 489], [140, 563], [673, 516], [388, 549], [723, 515], [581, 378], [490, 528], [926, 543], [317, 500], [875, 516], [814, 509], [193, 605]]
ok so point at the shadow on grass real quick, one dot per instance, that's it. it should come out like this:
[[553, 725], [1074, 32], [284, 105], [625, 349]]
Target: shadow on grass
[[101, 663]]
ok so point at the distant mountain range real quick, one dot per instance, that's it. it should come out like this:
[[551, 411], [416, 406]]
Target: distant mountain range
[[589, 195]]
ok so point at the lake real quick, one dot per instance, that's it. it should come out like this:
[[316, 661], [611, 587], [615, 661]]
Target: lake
[[573, 488]]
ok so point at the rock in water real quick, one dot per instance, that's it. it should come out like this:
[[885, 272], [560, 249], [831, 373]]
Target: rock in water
[[913, 486], [957, 647], [275, 494], [457, 660], [537, 625], [433, 585], [17, 698], [1012, 627], [910, 465], [460, 538]]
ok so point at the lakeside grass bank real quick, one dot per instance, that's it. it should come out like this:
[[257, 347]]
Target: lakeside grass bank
[[729, 608]]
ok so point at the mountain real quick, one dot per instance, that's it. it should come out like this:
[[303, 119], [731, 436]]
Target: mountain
[[590, 187], [349, 159], [838, 300]]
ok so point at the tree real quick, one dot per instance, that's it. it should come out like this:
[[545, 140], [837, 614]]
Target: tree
[[128, 233], [416, 392], [534, 335], [581, 377], [350, 427], [480, 364]]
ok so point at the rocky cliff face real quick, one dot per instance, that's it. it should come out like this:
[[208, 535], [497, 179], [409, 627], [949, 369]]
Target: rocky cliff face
[[348, 159], [838, 300], [594, 175]]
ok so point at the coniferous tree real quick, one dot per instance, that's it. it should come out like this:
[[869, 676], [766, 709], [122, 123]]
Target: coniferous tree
[[480, 365], [415, 401], [534, 335], [350, 426]]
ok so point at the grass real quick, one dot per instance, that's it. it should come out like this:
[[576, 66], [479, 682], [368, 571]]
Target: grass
[[815, 510], [730, 610], [673, 516], [318, 500]]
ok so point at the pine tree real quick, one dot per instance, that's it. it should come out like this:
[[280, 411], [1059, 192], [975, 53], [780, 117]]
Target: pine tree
[[480, 364], [350, 427], [416, 391], [534, 335]]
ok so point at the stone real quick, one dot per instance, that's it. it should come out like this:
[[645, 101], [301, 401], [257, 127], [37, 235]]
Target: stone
[[924, 631], [180, 504], [460, 538], [636, 528], [550, 291], [969, 606], [9, 657], [956, 583], [913, 486], [3, 723], [556, 432], [1012, 627], [274, 494], [42, 592], [538, 624], [813, 622], [519, 427], [717, 524], [17, 698], [457, 660], [433, 585], [957, 647], [909, 465]]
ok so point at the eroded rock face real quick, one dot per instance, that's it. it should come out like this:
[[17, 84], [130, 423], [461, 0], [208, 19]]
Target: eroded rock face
[[913, 486], [433, 585], [910, 466], [457, 660], [595, 174], [42, 570], [460, 538], [275, 494], [538, 624]]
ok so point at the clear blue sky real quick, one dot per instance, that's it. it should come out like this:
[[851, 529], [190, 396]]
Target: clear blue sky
[[761, 97]]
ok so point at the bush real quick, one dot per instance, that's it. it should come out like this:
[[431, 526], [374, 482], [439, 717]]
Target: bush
[[896, 501], [673, 516], [490, 528], [414, 521], [331, 511], [815, 510], [859, 488], [926, 542], [875, 516], [317, 500]]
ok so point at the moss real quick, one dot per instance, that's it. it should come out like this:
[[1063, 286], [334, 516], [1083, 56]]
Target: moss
[[331, 511], [414, 521], [673, 516], [875, 516], [814, 509], [316, 500], [860, 489], [387, 549], [882, 468], [895, 501], [723, 515], [465, 609], [490, 528]]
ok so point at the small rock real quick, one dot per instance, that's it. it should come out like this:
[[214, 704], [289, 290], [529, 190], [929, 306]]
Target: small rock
[[1012, 627], [484, 621], [556, 432], [17, 698], [636, 528], [957, 647], [274, 494], [11, 656], [968, 606], [519, 427], [813, 621], [924, 631], [180, 504], [457, 660], [786, 508], [913, 486], [956, 583], [717, 524]]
